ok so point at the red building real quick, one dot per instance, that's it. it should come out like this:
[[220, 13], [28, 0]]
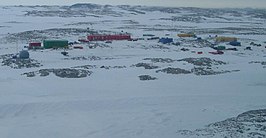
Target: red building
[[33, 45], [99, 37]]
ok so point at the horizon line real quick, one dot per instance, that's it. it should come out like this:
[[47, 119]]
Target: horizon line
[[36, 5]]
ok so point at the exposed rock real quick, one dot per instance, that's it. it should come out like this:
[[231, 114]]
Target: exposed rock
[[162, 60], [21, 63], [263, 63], [113, 67], [91, 58], [146, 66], [202, 61], [86, 6], [253, 116], [146, 77], [40, 35], [62, 73], [6, 56], [94, 66], [30, 74], [155, 46], [248, 124], [184, 49], [86, 66], [76, 10], [12, 61], [44, 72], [170, 70], [71, 73], [206, 71], [258, 62]]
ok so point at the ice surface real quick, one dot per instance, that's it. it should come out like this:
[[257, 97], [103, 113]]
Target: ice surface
[[112, 101]]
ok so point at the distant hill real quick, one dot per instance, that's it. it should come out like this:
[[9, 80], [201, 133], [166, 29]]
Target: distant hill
[[86, 6]]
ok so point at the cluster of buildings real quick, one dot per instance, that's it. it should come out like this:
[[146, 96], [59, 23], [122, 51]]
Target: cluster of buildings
[[47, 44], [217, 42]]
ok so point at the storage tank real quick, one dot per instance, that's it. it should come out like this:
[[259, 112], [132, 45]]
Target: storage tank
[[24, 54]]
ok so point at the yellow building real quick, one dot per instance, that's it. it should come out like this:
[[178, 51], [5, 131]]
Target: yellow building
[[186, 35], [225, 39]]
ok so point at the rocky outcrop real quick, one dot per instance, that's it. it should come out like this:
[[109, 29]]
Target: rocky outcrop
[[62, 73], [250, 124]]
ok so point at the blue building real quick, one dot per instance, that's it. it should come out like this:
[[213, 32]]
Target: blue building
[[235, 43], [166, 40]]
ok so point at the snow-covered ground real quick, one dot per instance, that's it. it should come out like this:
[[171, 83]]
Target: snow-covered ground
[[112, 101]]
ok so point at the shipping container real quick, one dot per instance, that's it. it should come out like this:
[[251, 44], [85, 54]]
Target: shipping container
[[55, 44]]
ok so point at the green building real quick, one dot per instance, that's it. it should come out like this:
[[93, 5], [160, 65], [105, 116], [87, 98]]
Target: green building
[[55, 44], [221, 48]]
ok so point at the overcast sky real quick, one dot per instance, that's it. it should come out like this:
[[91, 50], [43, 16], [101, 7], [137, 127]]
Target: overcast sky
[[172, 3]]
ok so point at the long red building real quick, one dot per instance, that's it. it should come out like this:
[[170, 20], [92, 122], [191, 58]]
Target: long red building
[[99, 37]]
